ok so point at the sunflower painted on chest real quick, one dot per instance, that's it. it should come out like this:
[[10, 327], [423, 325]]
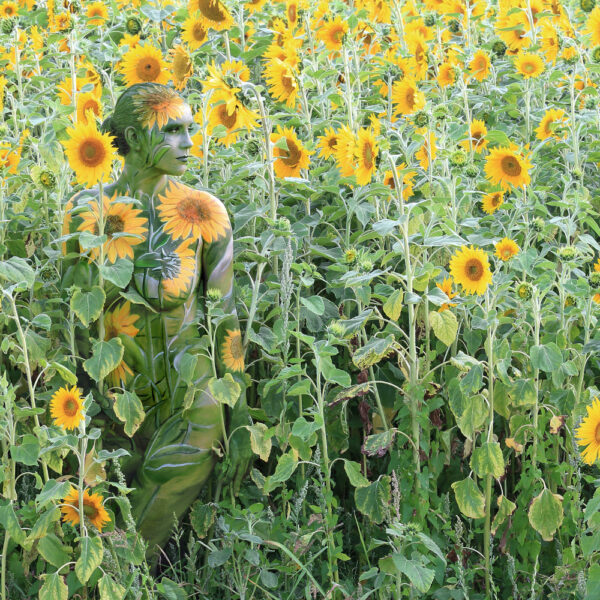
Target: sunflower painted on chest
[[168, 263]]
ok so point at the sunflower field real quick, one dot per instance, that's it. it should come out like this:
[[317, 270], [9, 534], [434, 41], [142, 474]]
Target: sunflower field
[[414, 189]]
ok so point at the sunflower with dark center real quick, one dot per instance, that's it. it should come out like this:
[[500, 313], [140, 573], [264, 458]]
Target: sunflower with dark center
[[470, 268], [506, 167]]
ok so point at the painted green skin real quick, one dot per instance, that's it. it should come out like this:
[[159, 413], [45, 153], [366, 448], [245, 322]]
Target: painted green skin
[[172, 452]]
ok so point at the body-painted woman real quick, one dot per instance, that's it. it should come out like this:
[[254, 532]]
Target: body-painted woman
[[180, 241]]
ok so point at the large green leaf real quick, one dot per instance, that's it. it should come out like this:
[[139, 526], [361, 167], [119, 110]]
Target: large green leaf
[[392, 307], [286, 465], [120, 273], [202, 517], [444, 325], [488, 460], [110, 589], [357, 479], [546, 514], [27, 450], [106, 357], [53, 551], [373, 351], [546, 357], [469, 498], [129, 409], [44, 522], [373, 500], [522, 392], [52, 490], [90, 557], [260, 442], [418, 575], [54, 588], [473, 416], [225, 390], [505, 508], [17, 270], [88, 305]]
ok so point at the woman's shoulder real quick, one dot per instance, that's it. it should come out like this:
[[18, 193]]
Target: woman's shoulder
[[187, 191]]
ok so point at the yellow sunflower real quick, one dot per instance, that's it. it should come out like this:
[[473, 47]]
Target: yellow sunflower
[[480, 64], [96, 13], [90, 153], [233, 117], [281, 79], [186, 211], [505, 166], [597, 266], [179, 270], [406, 97], [407, 180], [446, 74], [8, 9], [470, 268], [156, 105], [492, 202], [477, 133], [143, 64], [506, 249], [345, 156], [253, 6], [446, 287], [88, 107], [549, 42], [332, 33], [9, 157], [327, 142], [181, 65], [120, 321], [529, 64], [593, 26], [550, 118], [212, 13], [193, 32], [65, 89], [428, 150], [366, 152], [66, 407], [289, 162], [119, 218], [130, 40], [588, 433], [92, 508], [233, 350], [513, 30]]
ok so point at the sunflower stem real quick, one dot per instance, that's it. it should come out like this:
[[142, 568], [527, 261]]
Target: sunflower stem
[[537, 317], [101, 219], [82, 449]]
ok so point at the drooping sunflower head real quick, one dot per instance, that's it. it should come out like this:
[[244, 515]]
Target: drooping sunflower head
[[66, 407], [233, 350], [181, 64], [93, 508], [212, 13], [194, 33], [470, 268]]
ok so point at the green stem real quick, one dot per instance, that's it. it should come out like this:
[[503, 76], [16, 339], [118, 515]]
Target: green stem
[[82, 449], [536, 306]]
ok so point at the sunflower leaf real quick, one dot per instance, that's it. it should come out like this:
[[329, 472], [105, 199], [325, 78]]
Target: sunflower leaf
[[106, 357], [118, 273], [89, 559], [88, 305], [129, 409], [546, 514]]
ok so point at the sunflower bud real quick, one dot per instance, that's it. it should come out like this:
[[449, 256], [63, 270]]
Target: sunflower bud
[[365, 264], [567, 253], [133, 25], [7, 26], [595, 279], [524, 290], [538, 223], [471, 171], [458, 158], [587, 5], [454, 26], [336, 328], [49, 274], [214, 294], [429, 20], [570, 300], [499, 48], [350, 256], [440, 112], [421, 119], [283, 224], [596, 54], [590, 104]]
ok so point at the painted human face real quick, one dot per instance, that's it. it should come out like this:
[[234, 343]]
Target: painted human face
[[176, 139]]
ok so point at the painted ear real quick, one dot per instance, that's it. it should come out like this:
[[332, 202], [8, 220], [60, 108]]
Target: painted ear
[[132, 138]]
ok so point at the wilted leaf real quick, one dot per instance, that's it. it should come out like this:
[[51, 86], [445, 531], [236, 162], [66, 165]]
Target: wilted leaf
[[469, 498], [373, 500], [546, 514]]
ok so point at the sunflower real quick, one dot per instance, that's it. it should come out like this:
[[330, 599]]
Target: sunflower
[[187, 211], [96, 13], [143, 64], [92, 508], [181, 66], [233, 121], [505, 166], [550, 118], [327, 142], [90, 153], [529, 64], [446, 74], [233, 350], [428, 151], [513, 30], [193, 32], [157, 104], [549, 42], [407, 180], [65, 89], [492, 202], [588, 433], [119, 218], [418, 48], [9, 157], [253, 6], [366, 151], [225, 78], [345, 157], [332, 33], [130, 40], [120, 322], [592, 26], [597, 266], [8, 9], [479, 67], [66, 407], [289, 162], [506, 249], [282, 82], [446, 287], [477, 133], [406, 97], [291, 12], [212, 13], [470, 268], [179, 269], [88, 107]]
